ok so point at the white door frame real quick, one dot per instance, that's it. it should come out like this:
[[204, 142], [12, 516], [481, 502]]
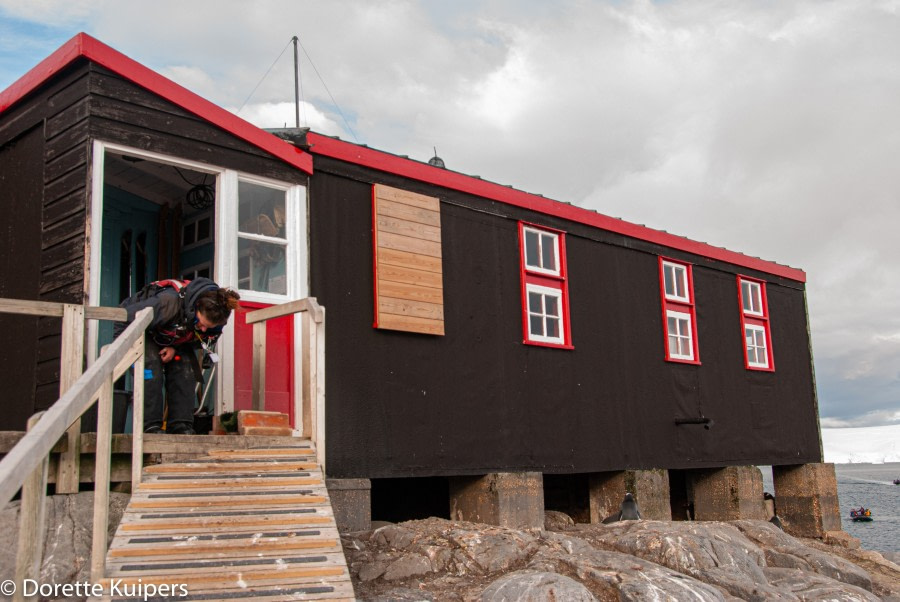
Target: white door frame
[[225, 269]]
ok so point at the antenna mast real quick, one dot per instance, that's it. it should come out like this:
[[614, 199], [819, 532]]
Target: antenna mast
[[295, 40]]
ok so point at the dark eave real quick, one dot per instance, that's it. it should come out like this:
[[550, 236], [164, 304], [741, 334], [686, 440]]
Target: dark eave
[[84, 46], [335, 148]]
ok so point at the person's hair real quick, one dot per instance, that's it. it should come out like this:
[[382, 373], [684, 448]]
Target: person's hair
[[217, 305]]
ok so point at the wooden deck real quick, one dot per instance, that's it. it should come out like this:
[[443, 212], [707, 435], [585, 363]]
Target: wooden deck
[[231, 525]]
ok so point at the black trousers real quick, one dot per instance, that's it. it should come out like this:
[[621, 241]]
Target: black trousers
[[178, 380]]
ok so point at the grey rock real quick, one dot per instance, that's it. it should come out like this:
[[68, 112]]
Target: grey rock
[[557, 521], [402, 594], [394, 536], [813, 587], [493, 549], [784, 551], [736, 583], [633, 560], [533, 586], [685, 547], [371, 570], [67, 539], [617, 576], [892, 556], [407, 566]]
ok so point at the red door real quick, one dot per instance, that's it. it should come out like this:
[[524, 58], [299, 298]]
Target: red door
[[279, 362]]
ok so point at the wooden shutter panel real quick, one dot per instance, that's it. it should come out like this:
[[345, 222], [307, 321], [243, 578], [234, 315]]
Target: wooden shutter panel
[[409, 281]]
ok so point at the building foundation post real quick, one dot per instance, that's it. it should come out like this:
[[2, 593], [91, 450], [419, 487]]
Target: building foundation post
[[506, 499], [650, 489], [730, 493], [806, 499], [351, 500]]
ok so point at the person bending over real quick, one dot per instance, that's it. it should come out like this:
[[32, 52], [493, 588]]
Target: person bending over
[[187, 315]]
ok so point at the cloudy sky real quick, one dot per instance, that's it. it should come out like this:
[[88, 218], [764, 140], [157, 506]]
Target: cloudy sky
[[768, 127]]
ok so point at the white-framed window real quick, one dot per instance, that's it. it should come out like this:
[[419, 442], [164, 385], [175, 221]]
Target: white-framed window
[[751, 298], [680, 335], [262, 243], [196, 230], [675, 281], [755, 324], [202, 270], [541, 251], [545, 315], [757, 349]]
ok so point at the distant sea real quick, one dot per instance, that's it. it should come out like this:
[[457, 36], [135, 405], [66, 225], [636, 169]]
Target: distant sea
[[869, 485]]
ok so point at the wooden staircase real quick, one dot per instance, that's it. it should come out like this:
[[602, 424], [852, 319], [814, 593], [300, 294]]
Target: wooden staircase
[[233, 525]]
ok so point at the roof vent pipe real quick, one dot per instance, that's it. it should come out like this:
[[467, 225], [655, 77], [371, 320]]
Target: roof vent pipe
[[437, 161]]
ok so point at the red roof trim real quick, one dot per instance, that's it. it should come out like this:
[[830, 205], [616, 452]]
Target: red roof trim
[[83, 45], [360, 155]]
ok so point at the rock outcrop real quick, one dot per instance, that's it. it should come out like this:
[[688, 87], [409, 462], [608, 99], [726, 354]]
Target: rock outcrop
[[67, 540], [436, 559]]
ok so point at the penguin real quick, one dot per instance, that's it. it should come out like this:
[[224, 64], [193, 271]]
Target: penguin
[[628, 511], [770, 509]]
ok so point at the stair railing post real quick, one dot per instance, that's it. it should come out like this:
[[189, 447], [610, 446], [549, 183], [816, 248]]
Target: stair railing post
[[319, 389], [101, 481], [259, 365], [307, 401], [137, 417], [32, 509], [71, 366]]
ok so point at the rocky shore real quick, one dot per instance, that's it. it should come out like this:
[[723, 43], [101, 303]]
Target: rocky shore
[[437, 559]]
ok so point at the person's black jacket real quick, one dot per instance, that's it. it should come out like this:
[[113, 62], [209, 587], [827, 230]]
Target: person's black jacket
[[173, 311]]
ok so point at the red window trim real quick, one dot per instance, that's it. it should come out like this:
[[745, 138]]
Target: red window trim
[[559, 282], [688, 307], [755, 320]]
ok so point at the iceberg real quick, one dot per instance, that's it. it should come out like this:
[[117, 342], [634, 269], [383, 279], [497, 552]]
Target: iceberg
[[862, 445]]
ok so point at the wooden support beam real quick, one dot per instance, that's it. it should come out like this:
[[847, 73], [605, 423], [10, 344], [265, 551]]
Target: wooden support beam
[[308, 304], [137, 419], [259, 366], [55, 310], [101, 481], [31, 522], [31, 450], [71, 367]]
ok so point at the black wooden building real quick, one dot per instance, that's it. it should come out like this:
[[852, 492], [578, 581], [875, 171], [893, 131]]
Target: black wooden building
[[472, 327]]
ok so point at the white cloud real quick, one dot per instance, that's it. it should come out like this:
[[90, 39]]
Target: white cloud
[[283, 114], [52, 12]]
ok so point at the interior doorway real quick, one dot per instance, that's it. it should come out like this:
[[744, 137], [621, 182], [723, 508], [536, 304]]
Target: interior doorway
[[158, 222], [155, 217]]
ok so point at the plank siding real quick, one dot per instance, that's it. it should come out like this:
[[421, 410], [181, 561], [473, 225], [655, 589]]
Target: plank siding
[[409, 280], [124, 113], [482, 401], [20, 237]]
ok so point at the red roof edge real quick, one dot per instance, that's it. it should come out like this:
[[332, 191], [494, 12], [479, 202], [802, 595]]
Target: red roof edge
[[83, 45], [382, 161]]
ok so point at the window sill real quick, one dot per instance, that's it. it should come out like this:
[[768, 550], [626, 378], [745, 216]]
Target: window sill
[[552, 345]]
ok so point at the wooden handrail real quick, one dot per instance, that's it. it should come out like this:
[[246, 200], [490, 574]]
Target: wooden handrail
[[25, 465], [308, 304], [313, 364], [55, 310], [29, 452]]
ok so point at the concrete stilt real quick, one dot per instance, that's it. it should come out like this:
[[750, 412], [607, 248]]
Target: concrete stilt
[[506, 499], [806, 499], [351, 500], [730, 493], [649, 487]]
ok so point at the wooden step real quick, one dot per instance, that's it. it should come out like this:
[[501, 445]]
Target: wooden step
[[233, 525]]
